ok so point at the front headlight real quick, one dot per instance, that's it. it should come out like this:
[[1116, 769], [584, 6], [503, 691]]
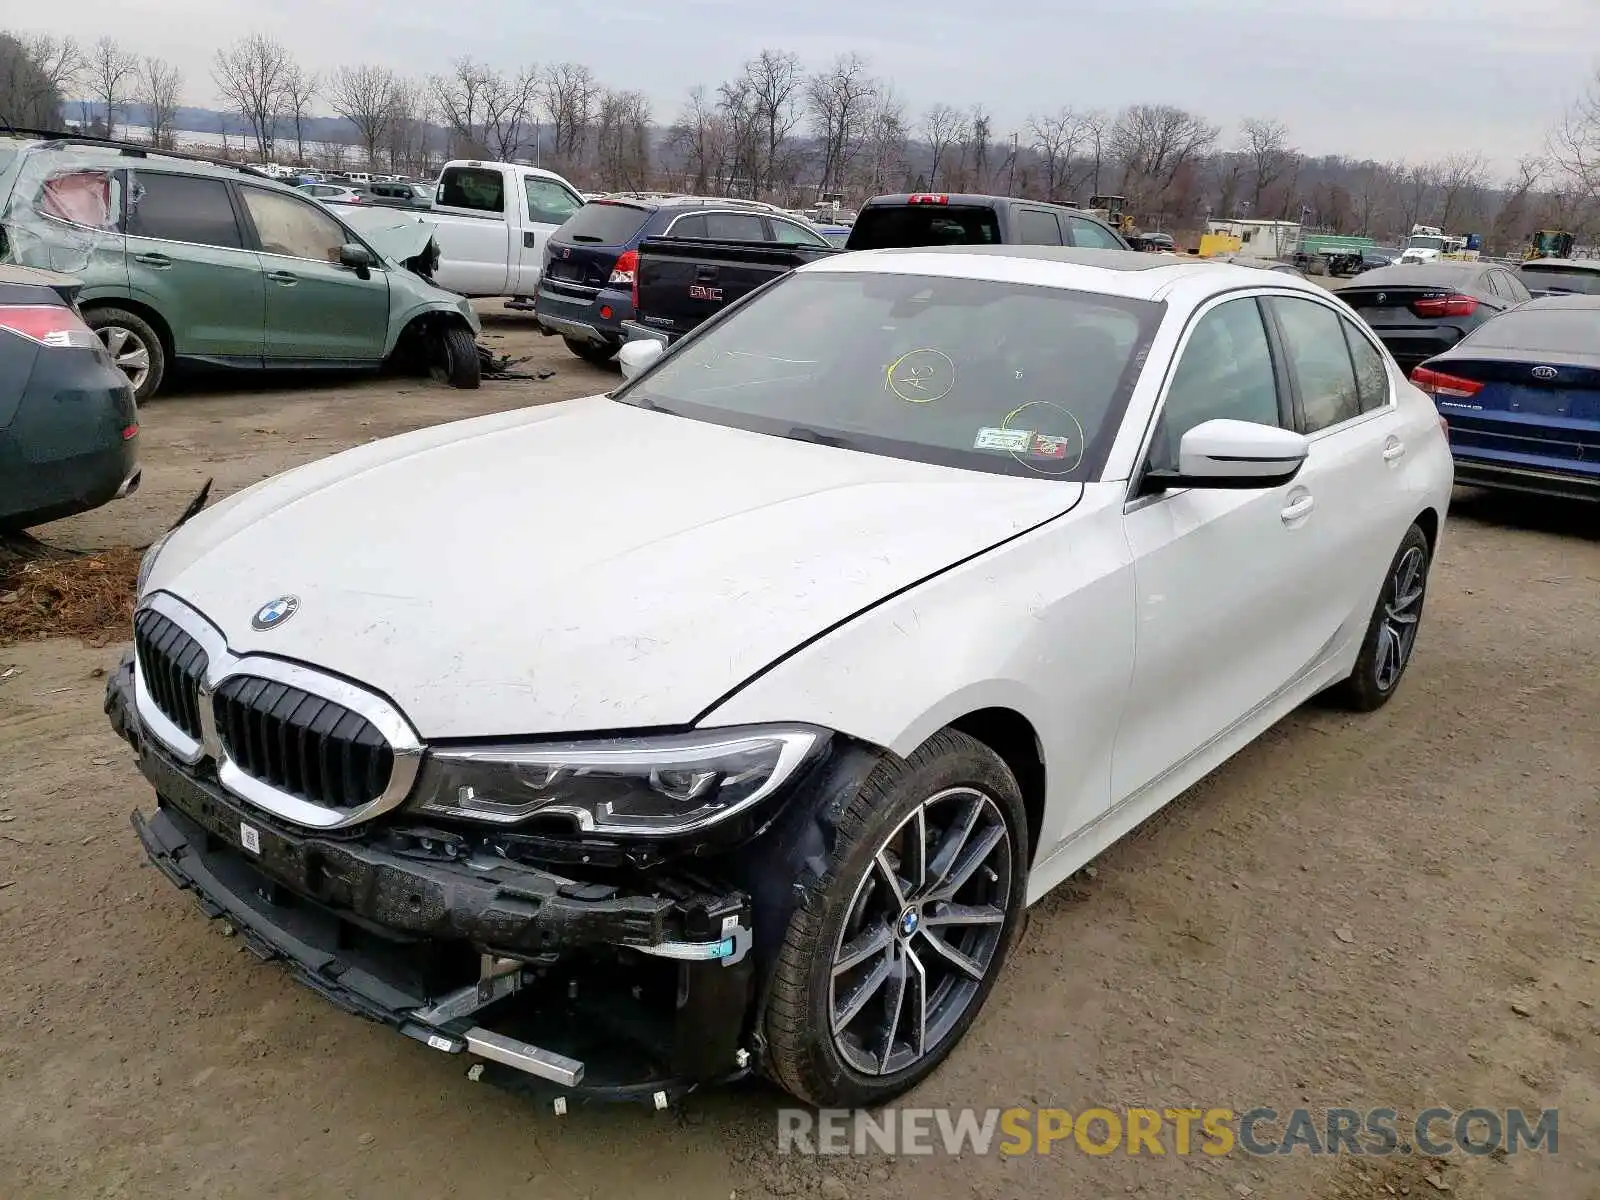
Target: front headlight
[[148, 563], [637, 787]]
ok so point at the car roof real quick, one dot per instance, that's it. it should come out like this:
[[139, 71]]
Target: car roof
[[1562, 300], [1436, 272], [1562, 264], [1115, 272], [102, 150], [976, 200]]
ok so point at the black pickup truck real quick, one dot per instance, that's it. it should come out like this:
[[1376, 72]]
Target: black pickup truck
[[682, 281]]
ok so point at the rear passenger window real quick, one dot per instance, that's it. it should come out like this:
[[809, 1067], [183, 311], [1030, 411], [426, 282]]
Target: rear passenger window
[[689, 227], [82, 197], [473, 188], [1372, 373], [735, 227], [1036, 228], [1320, 360], [1087, 233], [1225, 373], [182, 208]]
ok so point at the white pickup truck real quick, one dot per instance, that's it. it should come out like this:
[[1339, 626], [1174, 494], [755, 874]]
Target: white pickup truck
[[490, 220]]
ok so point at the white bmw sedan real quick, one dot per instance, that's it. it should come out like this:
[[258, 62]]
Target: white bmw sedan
[[728, 722]]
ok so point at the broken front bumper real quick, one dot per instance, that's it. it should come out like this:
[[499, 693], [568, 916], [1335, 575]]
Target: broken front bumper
[[563, 986]]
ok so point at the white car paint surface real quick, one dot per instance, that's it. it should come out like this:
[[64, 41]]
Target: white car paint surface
[[596, 566]]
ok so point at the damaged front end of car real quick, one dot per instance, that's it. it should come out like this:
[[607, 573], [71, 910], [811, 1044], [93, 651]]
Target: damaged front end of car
[[574, 955]]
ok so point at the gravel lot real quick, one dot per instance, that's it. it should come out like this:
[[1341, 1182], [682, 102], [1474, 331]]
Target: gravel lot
[[1396, 910]]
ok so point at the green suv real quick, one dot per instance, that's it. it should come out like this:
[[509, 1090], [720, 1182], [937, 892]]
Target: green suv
[[184, 260]]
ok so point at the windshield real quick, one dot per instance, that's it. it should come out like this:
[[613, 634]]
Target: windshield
[[1008, 378], [1560, 279], [1425, 242]]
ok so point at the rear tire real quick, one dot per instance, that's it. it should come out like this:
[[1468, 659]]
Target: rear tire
[[134, 346], [592, 353], [454, 359], [893, 951], [1392, 632]]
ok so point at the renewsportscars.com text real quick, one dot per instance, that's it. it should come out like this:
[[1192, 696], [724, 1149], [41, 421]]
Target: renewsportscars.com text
[[1260, 1131]]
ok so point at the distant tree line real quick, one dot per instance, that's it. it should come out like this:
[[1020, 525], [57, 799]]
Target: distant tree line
[[778, 130]]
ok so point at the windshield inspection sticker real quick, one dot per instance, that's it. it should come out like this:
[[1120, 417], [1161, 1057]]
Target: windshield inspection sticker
[[1047, 446], [1013, 441]]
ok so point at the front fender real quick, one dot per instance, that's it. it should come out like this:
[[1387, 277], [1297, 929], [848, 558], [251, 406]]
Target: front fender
[[407, 306], [1042, 625]]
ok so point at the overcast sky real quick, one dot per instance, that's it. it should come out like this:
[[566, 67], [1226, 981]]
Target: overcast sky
[[1380, 78]]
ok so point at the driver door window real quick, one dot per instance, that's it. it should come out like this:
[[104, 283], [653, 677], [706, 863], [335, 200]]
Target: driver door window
[[548, 202], [1226, 372]]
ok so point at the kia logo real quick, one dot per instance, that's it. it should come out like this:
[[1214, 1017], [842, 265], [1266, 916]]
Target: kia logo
[[1544, 372]]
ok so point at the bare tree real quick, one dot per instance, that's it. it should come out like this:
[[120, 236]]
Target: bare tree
[[508, 107], [1154, 143], [775, 86], [1373, 195], [460, 98], [35, 73], [1462, 180], [365, 96], [300, 87], [252, 76], [839, 100], [570, 94], [737, 106], [887, 136], [942, 127], [1230, 168], [1416, 187], [1098, 128], [622, 140], [112, 71], [1056, 139], [1266, 146], [157, 88], [699, 138], [975, 149], [1574, 146]]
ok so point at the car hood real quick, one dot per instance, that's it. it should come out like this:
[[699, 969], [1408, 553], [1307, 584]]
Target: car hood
[[578, 566], [393, 233]]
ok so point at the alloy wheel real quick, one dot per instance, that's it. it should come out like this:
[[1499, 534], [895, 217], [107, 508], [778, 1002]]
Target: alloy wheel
[[921, 933], [128, 351], [1402, 609]]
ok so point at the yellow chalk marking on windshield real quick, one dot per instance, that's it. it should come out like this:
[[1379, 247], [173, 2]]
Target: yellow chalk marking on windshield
[[920, 383]]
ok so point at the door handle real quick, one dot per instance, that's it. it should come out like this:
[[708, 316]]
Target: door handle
[[1393, 449], [283, 277], [530, 241], [1299, 508], [153, 260]]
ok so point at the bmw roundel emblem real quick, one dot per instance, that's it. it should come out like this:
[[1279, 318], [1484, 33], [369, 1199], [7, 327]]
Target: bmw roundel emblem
[[275, 612], [1545, 372]]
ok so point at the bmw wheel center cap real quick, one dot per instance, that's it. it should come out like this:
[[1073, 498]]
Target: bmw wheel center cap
[[275, 612]]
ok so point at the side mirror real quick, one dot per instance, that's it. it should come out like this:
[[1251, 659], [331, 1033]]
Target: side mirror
[[1234, 454], [635, 356], [357, 258]]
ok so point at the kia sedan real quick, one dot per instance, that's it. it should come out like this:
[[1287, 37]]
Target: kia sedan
[[810, 656]]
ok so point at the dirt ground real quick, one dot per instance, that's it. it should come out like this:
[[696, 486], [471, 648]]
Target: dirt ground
[[1393, 910]]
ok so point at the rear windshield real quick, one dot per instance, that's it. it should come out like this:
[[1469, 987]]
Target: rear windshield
[[897, 227], [967, 373], [1558, 279], [1543, 330], [604, 223]]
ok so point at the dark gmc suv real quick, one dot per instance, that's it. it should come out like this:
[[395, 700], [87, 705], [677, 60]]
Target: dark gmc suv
[[586, 286]]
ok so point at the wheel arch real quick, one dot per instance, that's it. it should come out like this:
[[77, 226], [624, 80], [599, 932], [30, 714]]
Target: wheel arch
[[422, 322], [139, 309], [1428, 522], [1012, 736]]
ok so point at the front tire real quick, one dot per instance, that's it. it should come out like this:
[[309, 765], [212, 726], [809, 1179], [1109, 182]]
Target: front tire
[[134, 347], [1392, 632], [895, 947], [455, 358]]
